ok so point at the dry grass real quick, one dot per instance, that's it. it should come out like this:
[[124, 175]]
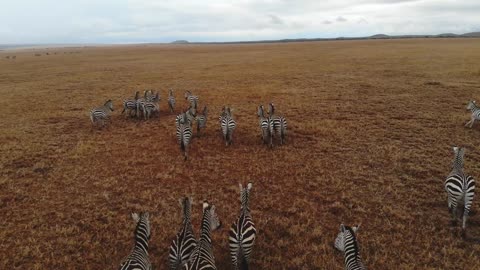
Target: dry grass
[[371, 125]]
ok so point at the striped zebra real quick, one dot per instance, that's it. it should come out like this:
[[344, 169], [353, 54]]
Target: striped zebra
[[202, 257], [242, 234], [185, 242], [278, 124], [184, 134], [138, 258], [101, 114], [346, 242], [191, 98], [201, 120], [147, 96], [191, 113], [460, 187], [130, 105], [227, 124], [151, 107], [475, 109], [265, 126], [171, 101]]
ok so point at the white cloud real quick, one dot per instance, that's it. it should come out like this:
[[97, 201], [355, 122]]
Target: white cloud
[[50, 21]]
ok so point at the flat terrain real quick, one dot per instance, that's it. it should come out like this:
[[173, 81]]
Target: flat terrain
[[371, 130]]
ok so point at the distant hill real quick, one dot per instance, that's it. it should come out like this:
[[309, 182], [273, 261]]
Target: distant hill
[[471, 34], [379, 36], [447, 35], [180, 42]]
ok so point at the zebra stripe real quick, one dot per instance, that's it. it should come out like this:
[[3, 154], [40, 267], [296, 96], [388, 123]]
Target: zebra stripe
[[459, 186], [242, 233], [130, 105], [101, 113], [138, 258], [185, 242], [150, 107], [346, 242], [202, 257], [171, 101], [475, 109], [278, 124], [201, 120], [184, 135], [227, 124], [193, 100], [265, 126], [147, 97]]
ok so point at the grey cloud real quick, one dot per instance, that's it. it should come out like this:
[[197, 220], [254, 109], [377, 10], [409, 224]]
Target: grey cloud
[[327, 22], [340, 19], [275, 19]]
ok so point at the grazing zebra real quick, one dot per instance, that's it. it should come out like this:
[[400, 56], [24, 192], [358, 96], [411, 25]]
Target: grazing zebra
[[185, 242], [201, 120], [138, 258], [184, 134], [227, 124], [278, 124], [130, 105], [101, 113], [150, 107], [265, 126], [191, 113], [242, 234], [191, 98], [475, 109], [202, 257], [460, 187], [171, 101], [346, 242]]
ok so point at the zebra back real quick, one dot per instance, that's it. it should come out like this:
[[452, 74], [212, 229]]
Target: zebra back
[[184, 135], [138, 258], [242, 233], [171, 100], [346, 242], [101, 113], [202, 257], [185, 242]]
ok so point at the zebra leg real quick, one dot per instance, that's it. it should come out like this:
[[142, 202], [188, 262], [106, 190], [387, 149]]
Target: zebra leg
[[472, 121], [454, 214]]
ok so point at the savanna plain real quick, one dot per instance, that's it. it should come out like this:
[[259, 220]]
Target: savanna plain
[[371, 126]]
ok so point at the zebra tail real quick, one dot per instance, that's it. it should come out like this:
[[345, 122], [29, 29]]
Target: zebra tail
[[91, 117], [243, 263]]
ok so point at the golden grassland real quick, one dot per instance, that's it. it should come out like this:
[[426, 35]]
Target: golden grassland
[[371, 126]]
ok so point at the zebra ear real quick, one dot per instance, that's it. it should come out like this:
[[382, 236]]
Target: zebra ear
[[205, 205], [355, 229], [180, 201], [240, 186], [342, 228], [135, 217], [249, 185]]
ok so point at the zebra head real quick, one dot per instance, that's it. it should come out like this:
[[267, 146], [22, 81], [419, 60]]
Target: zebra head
[[345, 232], [187, 94], [471, 105], [209, 209], [271, 108], [109, 104], [245, 195], [260, 112], [186, 204], [143, 225], [170, 92]]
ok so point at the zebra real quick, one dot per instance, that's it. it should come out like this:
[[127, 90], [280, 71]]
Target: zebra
[[278, 124], [227, 124], [475, 109], [171, 101], [191, 98], [185, 242], [150, 107], [201, 120], [242, 234], [14, 57], [138, 257], [460, 187], [346, 242], [147, 96], [101, 113], [191, 114], [130, 105], [202, 257], [184, 134], [265, 126]]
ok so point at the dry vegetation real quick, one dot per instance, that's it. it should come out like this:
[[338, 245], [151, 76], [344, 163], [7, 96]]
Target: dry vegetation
[[371, 126]]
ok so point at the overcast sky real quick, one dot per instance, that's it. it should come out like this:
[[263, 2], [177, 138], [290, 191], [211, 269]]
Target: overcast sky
[[131, 21]]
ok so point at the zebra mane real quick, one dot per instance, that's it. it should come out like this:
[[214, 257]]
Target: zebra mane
[[354, 237]]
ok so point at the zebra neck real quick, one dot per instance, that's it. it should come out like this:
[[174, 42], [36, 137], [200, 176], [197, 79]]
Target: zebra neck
[[205, 241], [141, 245], [475, 108], [352, 254], [458, 164]]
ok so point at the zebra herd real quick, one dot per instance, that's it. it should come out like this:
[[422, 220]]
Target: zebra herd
[[186, 252], [148, 105]]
